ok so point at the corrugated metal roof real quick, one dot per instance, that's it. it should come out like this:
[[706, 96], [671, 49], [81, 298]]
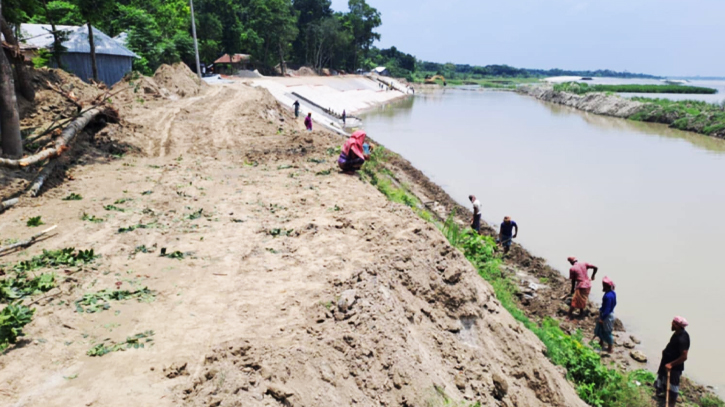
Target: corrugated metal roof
[[39, 36], [235, 59]]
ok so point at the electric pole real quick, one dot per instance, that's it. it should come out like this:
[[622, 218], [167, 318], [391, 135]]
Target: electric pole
[[196, 44]]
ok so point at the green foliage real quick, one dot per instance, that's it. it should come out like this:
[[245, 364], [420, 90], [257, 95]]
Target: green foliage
[[136, 226], [22, 285], [691, 115], [136, 342], [100, 301], [34, 222], [91, 218], [42, 60], [113, 208], [195, 215], [378, 175], [711, 400], [73, 197], [582, 88], [173, 255], [12, 320], [277, 232], [57, 258]]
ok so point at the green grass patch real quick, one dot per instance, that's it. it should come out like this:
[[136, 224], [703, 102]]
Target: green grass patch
[[73, 197], [137, 341], [582, 88], [91, 218], [101, 300]]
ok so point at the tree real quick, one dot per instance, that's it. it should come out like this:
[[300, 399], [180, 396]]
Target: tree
[[329, 38], [12, 144], [271, 28], [311, 14], [15, 14], [92, 11], [363, 20]]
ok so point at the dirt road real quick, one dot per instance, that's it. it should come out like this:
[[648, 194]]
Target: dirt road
[[286, 282]]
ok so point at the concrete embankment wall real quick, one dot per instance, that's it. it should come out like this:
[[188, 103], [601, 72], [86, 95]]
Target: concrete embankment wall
[[598, 103]]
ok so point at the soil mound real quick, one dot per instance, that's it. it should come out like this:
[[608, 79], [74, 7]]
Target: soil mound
[[179, 79], [306, 71]]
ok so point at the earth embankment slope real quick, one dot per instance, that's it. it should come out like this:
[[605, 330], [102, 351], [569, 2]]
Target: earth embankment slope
[[295, 284]]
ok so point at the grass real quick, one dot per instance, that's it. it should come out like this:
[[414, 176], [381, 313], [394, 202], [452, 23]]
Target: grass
[[100, 301], [691, 115], [582, 88], [34, 222], [136, 342], [73, 197]]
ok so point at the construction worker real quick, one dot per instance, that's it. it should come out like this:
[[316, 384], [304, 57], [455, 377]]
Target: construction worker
[[297, 109], [308, 121], [673, 361], [344, 117], [605, 325], [508, 232], [581, 285], [476, 220]]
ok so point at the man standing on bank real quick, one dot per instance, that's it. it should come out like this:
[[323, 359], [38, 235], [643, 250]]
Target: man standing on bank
[[605, 325], [581, 285], [476, 220], [509, 231], [673, 361], [296, 104]]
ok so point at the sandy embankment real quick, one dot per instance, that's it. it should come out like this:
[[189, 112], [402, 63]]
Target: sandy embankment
[[351, 93], [599, 103], [298, 286]]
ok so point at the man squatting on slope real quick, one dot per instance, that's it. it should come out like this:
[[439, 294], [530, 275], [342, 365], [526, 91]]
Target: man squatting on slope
[[581, 285], [476, 220], [673, 360]]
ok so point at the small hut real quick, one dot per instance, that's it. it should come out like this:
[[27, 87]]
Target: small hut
[[231, 64], [113, 59]]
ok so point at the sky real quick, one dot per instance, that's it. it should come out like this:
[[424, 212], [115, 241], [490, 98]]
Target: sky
[[659, 37]]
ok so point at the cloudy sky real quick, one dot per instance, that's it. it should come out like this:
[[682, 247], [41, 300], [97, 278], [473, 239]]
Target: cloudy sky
[[662, 37]]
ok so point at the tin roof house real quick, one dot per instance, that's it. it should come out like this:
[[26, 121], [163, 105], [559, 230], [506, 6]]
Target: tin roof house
[[113, 59]]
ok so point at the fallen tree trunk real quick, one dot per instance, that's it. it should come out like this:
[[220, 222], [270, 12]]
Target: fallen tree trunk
[[6, 204], [42, 176], [61, 144]]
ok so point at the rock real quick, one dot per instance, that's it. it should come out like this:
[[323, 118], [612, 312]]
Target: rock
[[638, 356], [634, 339], [279, 392], [628, 345], [347, 300], [460, 381], [501, 387]]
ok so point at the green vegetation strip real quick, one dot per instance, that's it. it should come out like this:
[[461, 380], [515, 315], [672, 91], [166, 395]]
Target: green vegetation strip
[[597, 384], [582, 88], [690, 115], [19, 285], [137, 341], [101, 300]]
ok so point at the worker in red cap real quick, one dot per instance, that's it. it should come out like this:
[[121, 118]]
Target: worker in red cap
[[673, 361], [581, 284]]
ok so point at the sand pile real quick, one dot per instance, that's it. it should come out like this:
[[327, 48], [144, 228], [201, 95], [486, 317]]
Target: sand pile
[[179, 79], [306, 71]]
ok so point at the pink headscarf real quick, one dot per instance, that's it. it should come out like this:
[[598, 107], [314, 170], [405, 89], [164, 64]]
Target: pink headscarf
[[608, 282], [355, 142], [681, 322]]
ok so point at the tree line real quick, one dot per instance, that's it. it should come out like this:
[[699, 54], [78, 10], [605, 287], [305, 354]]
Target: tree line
[[464, 71]]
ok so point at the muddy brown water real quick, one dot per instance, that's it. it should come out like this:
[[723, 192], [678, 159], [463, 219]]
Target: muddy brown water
[[641, 201]]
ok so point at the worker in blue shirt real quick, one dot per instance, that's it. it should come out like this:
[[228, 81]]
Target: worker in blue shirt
[[605, 324], [509, 231]]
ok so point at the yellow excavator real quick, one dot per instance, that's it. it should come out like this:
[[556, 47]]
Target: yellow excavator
[[431, 80]]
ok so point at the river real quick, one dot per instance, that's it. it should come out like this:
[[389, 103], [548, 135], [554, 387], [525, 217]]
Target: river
[[643, 202]]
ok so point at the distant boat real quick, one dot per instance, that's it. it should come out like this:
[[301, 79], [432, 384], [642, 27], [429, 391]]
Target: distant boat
[[675, 81], [586, 78]]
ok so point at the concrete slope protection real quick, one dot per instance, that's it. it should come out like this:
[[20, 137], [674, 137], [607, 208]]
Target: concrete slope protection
[[267, 276]]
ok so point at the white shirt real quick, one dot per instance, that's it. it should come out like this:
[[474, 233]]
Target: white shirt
[[476, 206]]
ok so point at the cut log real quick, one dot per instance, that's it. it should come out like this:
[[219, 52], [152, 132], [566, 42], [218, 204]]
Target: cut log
[[42, 176], [6, 204], [61, 144], [5, 250]]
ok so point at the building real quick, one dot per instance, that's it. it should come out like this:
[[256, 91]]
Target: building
[[230, 65], [113, 59], [382, 71]]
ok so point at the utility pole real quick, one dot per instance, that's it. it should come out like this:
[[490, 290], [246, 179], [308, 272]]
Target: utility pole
[[196, 44]]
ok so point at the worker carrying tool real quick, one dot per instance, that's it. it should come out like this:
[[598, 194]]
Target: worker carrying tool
[[508, 232], [673, 362]]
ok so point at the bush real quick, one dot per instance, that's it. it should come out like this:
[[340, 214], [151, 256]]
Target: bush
[[12, 320]]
